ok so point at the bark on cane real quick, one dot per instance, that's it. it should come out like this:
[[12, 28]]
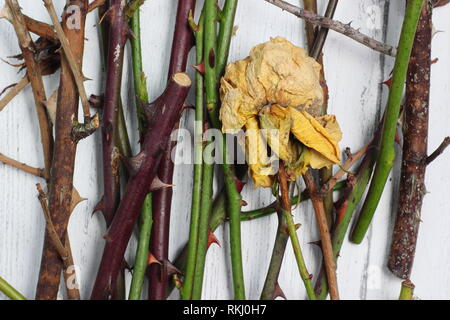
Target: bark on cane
[[118, 29], [162, 114], [412, 187], [34, 74], [183, 41], [61, 183]]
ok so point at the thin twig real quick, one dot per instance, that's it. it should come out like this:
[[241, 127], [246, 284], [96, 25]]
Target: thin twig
[[35, 77], [14, 92], [439, 150], [337, 26], [22, 166], [327, 249], [74, 66], [351, 160]]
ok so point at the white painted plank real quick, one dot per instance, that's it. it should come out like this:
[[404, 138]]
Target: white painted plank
[[354, 74]]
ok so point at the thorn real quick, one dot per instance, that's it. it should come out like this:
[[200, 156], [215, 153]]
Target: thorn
[[316, 243], [107, 237], [297, 226], [200, 68], [243, 203], [240, 184], [212, 239], [388, 82], [440, 3], [125, 265], [278, 292], [133, 164], [7, 87], [86, 78], [171, 269], [157, 184], [151, 260], [435, 31], [187, 107], [99, 207], [15, 65], [435, 60], [76, 199], [310, 276], [50, 105]]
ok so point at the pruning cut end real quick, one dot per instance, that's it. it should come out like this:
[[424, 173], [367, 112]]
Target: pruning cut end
[[182, 79]]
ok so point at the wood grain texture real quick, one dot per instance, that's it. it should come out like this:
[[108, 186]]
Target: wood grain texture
[[354, 74]]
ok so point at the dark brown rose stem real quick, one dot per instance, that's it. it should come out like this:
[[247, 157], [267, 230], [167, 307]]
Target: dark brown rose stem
[[121, 138], [414, 159], [337, 26], [118, 29], [161, 123], [61, 189], [183, 40]]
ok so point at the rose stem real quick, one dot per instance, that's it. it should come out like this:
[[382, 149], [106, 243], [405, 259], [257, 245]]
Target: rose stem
[[386, 156]]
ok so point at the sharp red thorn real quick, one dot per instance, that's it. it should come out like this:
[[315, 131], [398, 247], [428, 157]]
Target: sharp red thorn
[[278, 292], [170, 268], [240, 184], [213, 239], [200, 68], [151, 260], [157, 184]]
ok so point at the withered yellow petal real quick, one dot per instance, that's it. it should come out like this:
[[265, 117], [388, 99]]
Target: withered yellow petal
[[260, 167], [311, 133], [275, 123]]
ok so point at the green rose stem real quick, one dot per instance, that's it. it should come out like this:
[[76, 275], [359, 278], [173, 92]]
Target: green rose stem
[[407, 291], [292, 230], [218, 217], [186, 291], [140, 87], [9, 291], [386, 155], [215, 55]]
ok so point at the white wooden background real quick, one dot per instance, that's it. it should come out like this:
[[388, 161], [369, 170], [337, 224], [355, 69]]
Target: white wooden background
[[354, 74]]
